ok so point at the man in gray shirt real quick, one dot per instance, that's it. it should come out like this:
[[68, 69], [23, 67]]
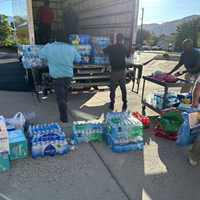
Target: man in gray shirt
[[190, 58]]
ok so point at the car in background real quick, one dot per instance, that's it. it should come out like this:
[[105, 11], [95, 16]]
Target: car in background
[[155, 48], [145, 47]]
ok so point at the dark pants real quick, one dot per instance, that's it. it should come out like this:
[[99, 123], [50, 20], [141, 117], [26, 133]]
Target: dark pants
[[118, 78], [61, 87], [44, 33]]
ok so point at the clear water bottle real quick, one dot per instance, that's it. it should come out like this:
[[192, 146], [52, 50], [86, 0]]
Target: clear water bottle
[[192, 79], [34, 150], [65, 147]]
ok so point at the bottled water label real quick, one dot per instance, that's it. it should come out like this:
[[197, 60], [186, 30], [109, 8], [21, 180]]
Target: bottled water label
[[51, 148], [87, 132]]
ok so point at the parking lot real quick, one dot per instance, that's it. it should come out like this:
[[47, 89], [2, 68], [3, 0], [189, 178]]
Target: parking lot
[[159, 171]]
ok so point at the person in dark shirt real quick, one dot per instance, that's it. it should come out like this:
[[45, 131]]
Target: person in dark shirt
[[45, 17], [190, 58], [70, 20], [117, 54]]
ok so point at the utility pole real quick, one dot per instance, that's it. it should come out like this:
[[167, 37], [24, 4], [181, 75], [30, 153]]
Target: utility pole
[[141, 41]]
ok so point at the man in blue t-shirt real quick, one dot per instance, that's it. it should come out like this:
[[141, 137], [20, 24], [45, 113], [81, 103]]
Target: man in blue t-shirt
[[60, 57], [117, 54], [190, 58]]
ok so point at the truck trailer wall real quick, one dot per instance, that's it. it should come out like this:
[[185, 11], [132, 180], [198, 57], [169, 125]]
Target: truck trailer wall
[[96, 18]]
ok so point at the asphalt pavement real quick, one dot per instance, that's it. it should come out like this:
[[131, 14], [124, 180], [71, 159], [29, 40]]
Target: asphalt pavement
[[159, 172]]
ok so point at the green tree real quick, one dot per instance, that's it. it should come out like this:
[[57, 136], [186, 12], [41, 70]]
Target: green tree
[[142, 35], [189, 29], [5, 31]]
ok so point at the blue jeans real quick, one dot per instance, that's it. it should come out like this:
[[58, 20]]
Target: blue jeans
[[61, 87]]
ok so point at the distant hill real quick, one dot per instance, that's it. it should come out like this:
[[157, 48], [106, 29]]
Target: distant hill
[[167, 27]]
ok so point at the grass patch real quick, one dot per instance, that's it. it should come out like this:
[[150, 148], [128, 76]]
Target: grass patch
[[166, 54]]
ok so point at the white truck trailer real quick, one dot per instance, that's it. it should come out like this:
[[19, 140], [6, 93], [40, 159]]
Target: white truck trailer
[[102, 18]]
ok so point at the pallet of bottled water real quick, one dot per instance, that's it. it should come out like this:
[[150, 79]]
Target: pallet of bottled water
[[47, 140], [103, 42], [30, 56], [87, 133], [123, 132], [170, 99], [45, 132], [124, 144], [49, 147], [82, 44], [123, 125]]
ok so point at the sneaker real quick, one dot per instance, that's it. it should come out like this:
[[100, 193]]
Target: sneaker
[[192, 162], [124, 105], [111, 106]]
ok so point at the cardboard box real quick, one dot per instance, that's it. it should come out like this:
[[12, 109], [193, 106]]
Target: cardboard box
[[4, 144], [4, 163], [2, 124], [18, 144]]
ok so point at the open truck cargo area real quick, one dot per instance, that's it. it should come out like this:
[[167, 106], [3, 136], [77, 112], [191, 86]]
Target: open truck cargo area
[[103, 18]]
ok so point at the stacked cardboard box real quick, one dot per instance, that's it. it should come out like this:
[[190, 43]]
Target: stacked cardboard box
[[18, 145], [4, 146]]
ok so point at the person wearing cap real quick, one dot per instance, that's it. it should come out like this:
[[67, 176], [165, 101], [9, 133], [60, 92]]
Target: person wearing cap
[[60, 57], [117, 54], [190, 58], [45, 16]]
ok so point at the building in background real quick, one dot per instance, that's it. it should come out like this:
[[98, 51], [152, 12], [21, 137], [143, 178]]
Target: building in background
[[167, 43]]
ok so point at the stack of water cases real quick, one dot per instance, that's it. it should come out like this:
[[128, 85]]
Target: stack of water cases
[[47, 140], [171, 98], [30, 56], [87, 132], [102, 59], [123, 132], [83, 46]]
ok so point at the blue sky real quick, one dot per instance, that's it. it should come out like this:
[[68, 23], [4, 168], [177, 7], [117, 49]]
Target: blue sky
[[6, 7], [157, 11]]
